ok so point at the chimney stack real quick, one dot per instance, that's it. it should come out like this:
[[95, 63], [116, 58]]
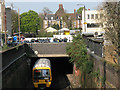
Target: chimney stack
[[74, 10], [61, 6]]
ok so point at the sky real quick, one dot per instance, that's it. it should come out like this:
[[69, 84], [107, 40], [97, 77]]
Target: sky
[[53, 6]]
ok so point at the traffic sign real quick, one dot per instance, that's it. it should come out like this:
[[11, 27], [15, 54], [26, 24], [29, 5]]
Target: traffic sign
[[84, 23]]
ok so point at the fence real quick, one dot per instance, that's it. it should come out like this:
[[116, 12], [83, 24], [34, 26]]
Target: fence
[[95, 45]]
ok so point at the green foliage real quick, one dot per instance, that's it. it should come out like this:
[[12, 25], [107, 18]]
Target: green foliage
[[14, 18], [78, 52], [30, 22], [96, 74], [5, 47], [56, 26], [103, 79], [79, 11], [43, 33], [70, 28]]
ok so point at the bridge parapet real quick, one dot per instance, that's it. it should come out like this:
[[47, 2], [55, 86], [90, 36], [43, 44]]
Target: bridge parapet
[[49, 49]]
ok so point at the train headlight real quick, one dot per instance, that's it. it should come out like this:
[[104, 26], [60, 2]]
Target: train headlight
[[47, 80]]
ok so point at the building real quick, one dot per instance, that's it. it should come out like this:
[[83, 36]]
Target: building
[[8, 21], [91, 22], [59, 18], [2, 16]]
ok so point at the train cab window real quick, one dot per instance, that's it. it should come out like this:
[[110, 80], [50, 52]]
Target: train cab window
[[41, 74], [45, 73]]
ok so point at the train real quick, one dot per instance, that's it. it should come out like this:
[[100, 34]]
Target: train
[[41, 73]]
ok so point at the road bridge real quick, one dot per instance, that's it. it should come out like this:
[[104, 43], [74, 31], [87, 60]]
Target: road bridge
[[47, 50]]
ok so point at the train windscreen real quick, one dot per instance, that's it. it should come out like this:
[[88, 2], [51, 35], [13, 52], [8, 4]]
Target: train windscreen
[[41, 74]]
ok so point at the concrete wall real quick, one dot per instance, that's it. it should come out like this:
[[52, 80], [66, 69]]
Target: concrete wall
[[16, 71], [49, 48]]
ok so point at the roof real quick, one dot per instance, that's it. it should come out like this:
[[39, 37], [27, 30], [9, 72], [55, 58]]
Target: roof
[[43, 62], [50, 29], [49, 16], [64, 29]]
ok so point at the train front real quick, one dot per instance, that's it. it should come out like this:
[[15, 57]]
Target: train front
[[42, 77]]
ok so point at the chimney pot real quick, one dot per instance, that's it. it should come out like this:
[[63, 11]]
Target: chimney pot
[[74, 10], [88, 9], [60, 6]]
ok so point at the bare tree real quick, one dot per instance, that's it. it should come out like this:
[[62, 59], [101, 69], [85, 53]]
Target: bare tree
[[68, 19], [111, 26], [46, 10]]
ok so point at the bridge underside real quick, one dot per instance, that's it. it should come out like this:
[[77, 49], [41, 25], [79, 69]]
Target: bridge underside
[[50, 55]]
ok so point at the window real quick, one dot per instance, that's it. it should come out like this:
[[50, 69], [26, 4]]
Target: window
[[101, 15], [51, 18], [96, 16], [93, 25], [41, 73], [45, 17], [45, 22], [92, 16], [78, 17], [88, 16], [58, 22]]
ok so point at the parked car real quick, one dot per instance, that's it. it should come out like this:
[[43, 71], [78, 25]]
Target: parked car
[[26, 41], [32, 40], [40, 40]]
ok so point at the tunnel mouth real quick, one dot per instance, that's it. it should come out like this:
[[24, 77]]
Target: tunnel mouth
[[60, 68]]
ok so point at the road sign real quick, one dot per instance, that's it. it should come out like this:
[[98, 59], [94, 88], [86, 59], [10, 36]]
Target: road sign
[[84, 23]]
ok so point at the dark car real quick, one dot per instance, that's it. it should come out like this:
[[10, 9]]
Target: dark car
[[32, 41], [46, 41], [40, 40]]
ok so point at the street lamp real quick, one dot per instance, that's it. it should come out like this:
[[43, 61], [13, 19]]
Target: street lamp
[[84, 17], [60, 24], [19, 23]]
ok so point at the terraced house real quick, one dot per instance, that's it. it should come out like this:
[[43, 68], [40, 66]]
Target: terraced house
[[63, 19]]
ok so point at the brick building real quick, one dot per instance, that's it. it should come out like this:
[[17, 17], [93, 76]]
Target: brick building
[[58, 18]]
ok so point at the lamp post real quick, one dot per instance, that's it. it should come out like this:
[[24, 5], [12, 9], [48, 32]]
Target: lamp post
[[5, 30], [60, 24], [19, 23], [84, 17]]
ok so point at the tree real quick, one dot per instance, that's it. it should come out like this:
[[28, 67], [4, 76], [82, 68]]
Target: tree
[[68, 20], [79, 11], [78, 54], [14, 21], [112, 28], [46, 10], [30, 22], [43, 33], [41, 16], [56, 26]]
